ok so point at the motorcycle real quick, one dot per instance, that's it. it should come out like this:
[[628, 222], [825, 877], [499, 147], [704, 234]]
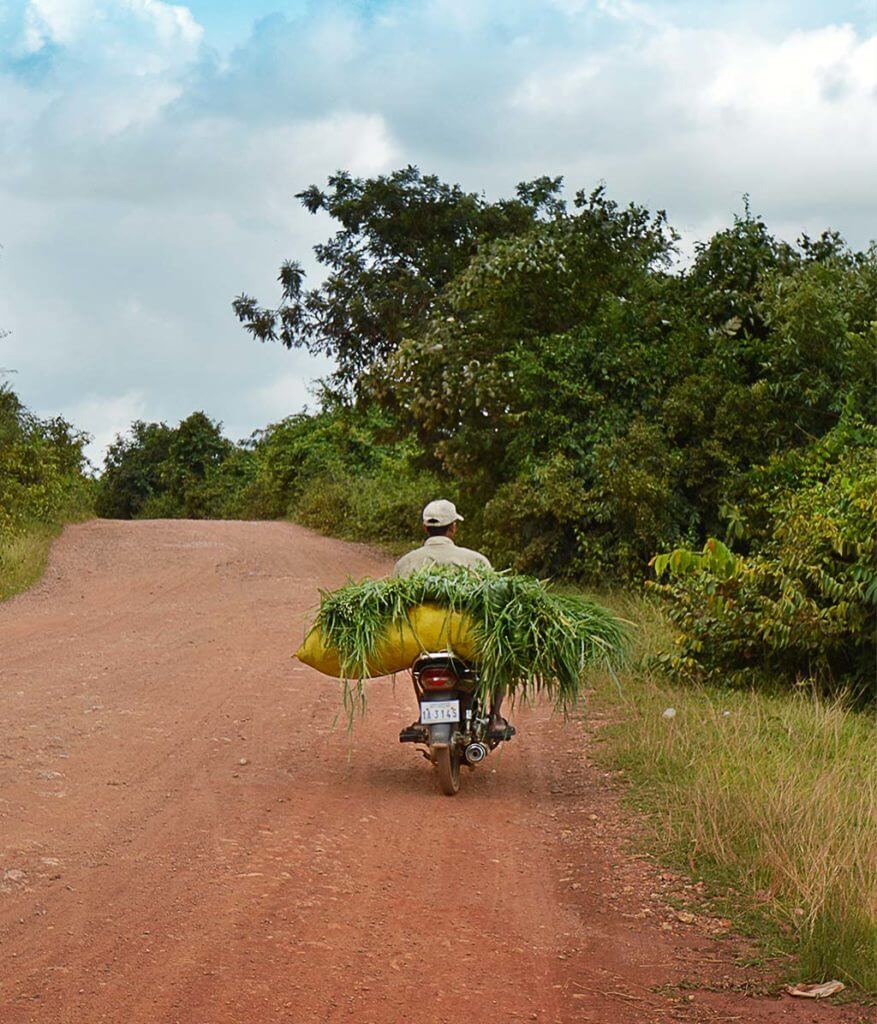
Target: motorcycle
[[453, 725]]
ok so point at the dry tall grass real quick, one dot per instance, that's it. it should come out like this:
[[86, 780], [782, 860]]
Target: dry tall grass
[[771, 797]]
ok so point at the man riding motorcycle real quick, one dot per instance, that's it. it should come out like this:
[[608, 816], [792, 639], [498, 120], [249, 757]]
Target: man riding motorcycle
[[440, 520]]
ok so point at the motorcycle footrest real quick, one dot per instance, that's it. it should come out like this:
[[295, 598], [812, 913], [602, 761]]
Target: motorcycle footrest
[[414, 734], [502, 735]]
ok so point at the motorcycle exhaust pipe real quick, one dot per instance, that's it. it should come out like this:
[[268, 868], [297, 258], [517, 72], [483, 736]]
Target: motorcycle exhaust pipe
[[475, 753]]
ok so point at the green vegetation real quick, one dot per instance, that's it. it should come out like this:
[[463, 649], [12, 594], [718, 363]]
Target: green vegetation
[[589, 405], [22, 559], [770, 798], [530, 639], [799, 607], [159, 472], [339, 471], [401, 239], [42, 486]]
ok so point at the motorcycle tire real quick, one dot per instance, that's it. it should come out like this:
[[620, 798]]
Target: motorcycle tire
[[448, 764]]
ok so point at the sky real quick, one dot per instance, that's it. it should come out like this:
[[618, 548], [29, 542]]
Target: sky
[[150, 153]]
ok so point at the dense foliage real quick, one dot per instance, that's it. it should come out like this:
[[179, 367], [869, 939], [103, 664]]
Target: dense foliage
[[801, 606], [340, 471], [165, 472], [42, 478], [589, 401], [43, 484]]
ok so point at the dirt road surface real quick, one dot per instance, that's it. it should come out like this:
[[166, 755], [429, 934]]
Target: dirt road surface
[[184, 836]]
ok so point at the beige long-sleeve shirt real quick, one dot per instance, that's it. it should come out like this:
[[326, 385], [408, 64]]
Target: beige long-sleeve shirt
[[439, 551]]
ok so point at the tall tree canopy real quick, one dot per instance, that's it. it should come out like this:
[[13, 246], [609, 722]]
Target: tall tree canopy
[[402, 238]]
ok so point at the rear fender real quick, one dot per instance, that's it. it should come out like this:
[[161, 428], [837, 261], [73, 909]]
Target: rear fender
[[440, 733]]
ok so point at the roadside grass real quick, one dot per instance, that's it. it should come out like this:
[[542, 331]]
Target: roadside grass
[[25, 539], [23, 559], [770, 799], [24, 553]]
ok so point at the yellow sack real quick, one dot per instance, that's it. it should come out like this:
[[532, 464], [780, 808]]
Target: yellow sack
[[429, 628]]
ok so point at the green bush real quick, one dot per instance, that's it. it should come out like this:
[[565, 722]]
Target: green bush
[[162, 472], [659, 394], [226, 492], [43, 484], [530, 525], [340, 471], [301, 449], [383, 506], [42, 478], [132, 471], [799, 609]]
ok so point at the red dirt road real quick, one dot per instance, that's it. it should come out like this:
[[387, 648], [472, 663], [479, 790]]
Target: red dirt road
[[184, 837]]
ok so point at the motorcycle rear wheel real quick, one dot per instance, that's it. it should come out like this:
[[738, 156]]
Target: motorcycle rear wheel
[[448, 763]]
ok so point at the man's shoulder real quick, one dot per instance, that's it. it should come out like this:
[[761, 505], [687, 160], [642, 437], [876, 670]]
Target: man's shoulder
[[410, 558], [451, 554], [474, 556]]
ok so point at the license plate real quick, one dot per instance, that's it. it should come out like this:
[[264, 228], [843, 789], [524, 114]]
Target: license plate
[[432, 711]]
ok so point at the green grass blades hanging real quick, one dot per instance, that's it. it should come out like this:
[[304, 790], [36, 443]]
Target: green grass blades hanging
[[529, 639]]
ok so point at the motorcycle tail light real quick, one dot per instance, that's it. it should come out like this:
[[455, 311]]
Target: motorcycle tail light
[[438, 678]]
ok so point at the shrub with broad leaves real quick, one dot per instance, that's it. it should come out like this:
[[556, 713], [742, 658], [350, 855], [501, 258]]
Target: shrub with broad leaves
[[800, 607]]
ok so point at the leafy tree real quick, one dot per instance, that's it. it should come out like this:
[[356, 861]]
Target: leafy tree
[[196, 447], [402, 238], [42, 469], [11, 415], [555, 368], [518, 332], [159, 471], [725, 280], [226, 490], [133, 470]]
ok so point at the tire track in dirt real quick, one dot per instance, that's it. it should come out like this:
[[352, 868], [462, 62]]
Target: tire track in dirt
[[148, 875]]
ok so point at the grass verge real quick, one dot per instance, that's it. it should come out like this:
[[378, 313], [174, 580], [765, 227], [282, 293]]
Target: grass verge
[[23, 559], [24, 556], [770, 799]]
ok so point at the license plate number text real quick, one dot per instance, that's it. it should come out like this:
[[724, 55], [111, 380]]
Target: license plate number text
[[432, 711]]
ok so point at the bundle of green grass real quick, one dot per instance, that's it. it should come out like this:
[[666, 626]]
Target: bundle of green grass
[[522, 635]]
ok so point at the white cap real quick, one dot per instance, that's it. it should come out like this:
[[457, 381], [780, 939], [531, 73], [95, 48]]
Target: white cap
[[440, 513]]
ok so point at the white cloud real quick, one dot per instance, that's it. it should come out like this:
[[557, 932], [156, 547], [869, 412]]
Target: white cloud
[[55, 21], [623, 10], [98, 67], [121, 271], [796, 119], [106, 417], [171, 21], [287, 394], [710, 114], [67, 22], [145, 183]]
